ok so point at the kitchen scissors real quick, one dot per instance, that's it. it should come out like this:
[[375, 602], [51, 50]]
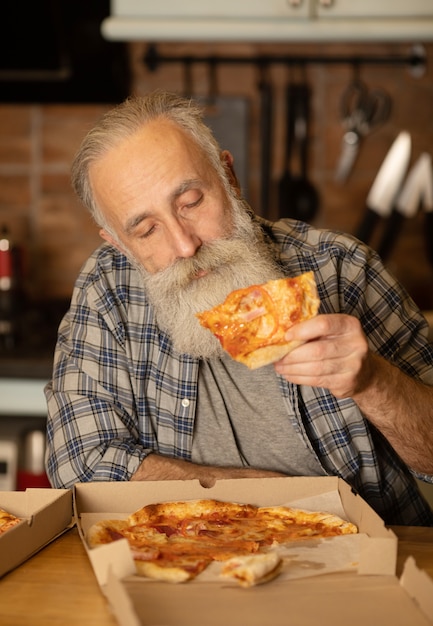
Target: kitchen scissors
[[361, 111]]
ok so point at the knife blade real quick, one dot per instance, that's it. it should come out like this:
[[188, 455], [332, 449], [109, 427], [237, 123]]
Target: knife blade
[[417, 190], [386, 185]]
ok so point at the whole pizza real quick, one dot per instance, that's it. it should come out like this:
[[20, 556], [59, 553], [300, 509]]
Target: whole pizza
[[176, 541]]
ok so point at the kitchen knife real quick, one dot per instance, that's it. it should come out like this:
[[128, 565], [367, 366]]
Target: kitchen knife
[[417, 190], [385, 187]]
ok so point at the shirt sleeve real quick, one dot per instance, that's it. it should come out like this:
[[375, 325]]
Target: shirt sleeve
[[352, 279], [92, 425], [392, 322], [394, 326]]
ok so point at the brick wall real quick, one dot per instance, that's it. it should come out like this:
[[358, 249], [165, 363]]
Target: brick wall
[[52, 229], [37, 143]]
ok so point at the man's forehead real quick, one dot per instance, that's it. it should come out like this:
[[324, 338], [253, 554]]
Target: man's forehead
[[163, 132]]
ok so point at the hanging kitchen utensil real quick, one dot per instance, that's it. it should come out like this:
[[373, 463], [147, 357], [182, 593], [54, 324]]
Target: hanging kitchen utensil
[[298, 198], [362, 110], [188, 86], [286, 180], [266, 117], [386, 185], [417, 190], [305, 196]]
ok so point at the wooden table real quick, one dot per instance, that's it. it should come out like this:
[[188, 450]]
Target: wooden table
[[57, 586]]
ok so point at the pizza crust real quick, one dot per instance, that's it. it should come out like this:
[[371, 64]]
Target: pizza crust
[[104, 532], [252, 570], [154, 571], [267, 355], [184, 509], [330, 521]]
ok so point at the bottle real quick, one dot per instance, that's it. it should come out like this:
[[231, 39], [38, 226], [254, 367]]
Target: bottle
[[31, 471], [7, 325]]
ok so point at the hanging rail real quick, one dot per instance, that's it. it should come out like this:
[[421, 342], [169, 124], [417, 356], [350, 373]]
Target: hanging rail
[[415, 60]]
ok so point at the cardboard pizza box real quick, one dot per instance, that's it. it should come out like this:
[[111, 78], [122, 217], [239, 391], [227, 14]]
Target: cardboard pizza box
[[363, 590], [45, 513]]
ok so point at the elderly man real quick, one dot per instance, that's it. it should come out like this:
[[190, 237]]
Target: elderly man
[[140, 391]]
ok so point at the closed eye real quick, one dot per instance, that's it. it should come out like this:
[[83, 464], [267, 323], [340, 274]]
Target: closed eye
[[197, 202], [147, 233]]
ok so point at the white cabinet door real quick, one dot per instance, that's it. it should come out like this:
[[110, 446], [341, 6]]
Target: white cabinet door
[[372, 8], [233, 9], [270, 20]]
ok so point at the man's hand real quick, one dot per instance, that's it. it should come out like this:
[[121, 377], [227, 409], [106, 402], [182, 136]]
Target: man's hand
[[335, 356]]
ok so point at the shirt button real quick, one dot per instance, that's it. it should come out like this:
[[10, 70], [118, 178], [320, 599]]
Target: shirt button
[[185, 402]]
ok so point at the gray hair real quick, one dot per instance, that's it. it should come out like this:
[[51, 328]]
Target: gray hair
[[126, 119]]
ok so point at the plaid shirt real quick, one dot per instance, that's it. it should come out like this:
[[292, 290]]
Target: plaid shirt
[[120, 391]]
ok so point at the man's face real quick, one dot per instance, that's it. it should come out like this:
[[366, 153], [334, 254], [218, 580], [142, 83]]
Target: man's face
[[190, 241], [160, 196]]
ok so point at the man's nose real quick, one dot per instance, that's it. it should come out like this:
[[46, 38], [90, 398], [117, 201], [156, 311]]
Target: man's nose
[[185, 241]]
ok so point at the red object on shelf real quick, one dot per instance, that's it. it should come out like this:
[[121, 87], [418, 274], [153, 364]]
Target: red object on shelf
[[31, 472], [5, 264], [27, 480], [6, 267]]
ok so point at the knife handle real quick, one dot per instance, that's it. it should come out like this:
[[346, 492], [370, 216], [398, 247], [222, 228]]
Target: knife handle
[[366, 227], [390, 235]]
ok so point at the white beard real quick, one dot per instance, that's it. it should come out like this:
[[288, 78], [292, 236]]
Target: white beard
[[234, 262]]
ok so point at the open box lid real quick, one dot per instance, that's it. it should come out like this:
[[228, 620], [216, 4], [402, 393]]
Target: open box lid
[[331, 600]]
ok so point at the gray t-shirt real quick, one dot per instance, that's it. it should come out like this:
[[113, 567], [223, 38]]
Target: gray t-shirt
[[242, 421]]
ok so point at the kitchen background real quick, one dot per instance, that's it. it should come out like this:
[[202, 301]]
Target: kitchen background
[[42, 124], [38, 141]]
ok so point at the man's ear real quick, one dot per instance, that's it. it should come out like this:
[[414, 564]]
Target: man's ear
[[228, 161], [111, 240]]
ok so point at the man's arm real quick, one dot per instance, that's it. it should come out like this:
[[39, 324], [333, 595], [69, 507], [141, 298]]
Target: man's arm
[[157, 467], [401, 408], [336, 356]]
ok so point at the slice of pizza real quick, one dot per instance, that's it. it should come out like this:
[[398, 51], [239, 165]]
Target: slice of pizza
[[7, 521], [172, 568], [285, 524], [252, 322], [251, 570]]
